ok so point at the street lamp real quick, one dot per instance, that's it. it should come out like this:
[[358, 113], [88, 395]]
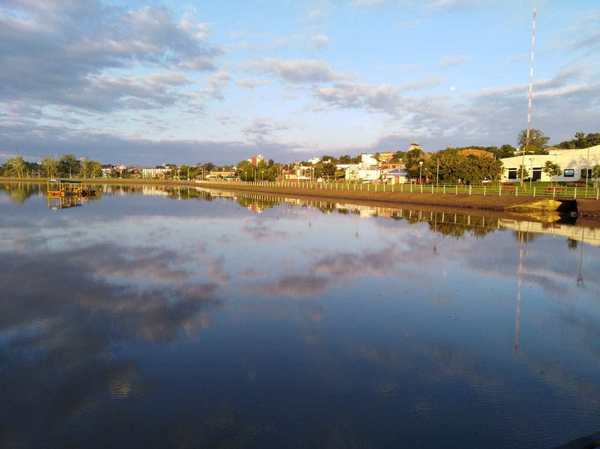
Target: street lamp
[[587, 168], [420, 171], [531, 174]]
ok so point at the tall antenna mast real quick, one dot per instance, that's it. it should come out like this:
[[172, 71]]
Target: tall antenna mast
[[530, 92]]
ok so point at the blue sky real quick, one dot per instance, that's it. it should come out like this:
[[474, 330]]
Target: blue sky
[[189, 81]]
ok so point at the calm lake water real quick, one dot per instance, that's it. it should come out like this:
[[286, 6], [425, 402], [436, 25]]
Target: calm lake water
[[192, 319]]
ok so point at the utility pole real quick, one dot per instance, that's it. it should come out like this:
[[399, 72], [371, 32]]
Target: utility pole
[[530, 92]]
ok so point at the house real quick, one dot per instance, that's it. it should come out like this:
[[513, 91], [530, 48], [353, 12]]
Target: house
[[107, 170], [156, 172], [396, 175], [314, 160], [298, 173], [366, 170], [575, 165]]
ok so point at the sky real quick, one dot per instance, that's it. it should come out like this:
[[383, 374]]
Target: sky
[[149, 82]]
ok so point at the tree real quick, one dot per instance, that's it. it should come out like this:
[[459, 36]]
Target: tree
[[185, 171], [68, 166], [505, 151], [552, 169], [328, 170], [90, 169], [581, 140], [455, 167], [596, 172], [523, 174], [16, 166], [246, 171], [49, 167], [411, 161], [537, 141]]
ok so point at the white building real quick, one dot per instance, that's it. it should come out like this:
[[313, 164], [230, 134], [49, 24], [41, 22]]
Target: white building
[[155, 172], [299, 173], [576, 165], [396, 176], [366, 170]]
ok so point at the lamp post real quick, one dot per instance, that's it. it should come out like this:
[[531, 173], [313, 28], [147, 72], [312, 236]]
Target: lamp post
[[437, 173], [588, 169], [531, 174], [420, 171]]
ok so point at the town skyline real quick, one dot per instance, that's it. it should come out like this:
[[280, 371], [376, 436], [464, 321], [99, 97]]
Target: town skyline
[[145, 83]]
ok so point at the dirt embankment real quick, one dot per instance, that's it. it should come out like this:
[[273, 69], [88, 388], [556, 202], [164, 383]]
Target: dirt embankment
[[494, 203], [589, 209], [586, 208]]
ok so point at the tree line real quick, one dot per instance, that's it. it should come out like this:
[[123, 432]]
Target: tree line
[[67, 166], [451, 165]]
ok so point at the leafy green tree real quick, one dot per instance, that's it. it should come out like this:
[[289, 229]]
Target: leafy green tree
[[552, 169], [91, 169], [328, 170], [16, 166], [246, 171], [505, 151], [537, 141], [411, 161], [581, 140], [69, 166], [522, 173], [596, 172], [346, 159], [471, 169], [49, 167], [398, 156], [185, 171]]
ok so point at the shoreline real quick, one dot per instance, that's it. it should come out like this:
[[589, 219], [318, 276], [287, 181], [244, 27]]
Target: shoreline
[[588, 209]]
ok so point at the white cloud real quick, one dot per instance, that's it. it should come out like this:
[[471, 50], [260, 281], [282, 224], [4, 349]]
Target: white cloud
[[297, 71], [367, 3], [452, 60], [263, 129], [252, 83], [375, 98], [320, 41], [216, 83], [65, 53], [426, 4]]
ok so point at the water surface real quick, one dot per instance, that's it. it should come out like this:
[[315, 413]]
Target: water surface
[[182, 318]]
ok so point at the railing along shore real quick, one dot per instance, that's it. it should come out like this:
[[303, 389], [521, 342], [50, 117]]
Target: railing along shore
[[501, 190], [536, 190]]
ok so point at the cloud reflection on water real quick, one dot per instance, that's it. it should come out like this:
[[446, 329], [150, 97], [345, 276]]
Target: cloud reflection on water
[[150, 303]]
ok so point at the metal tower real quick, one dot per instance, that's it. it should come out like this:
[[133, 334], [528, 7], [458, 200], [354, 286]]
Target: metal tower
[[530, 91]]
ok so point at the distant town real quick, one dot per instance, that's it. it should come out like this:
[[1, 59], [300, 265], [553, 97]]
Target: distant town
[[575, 160]]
